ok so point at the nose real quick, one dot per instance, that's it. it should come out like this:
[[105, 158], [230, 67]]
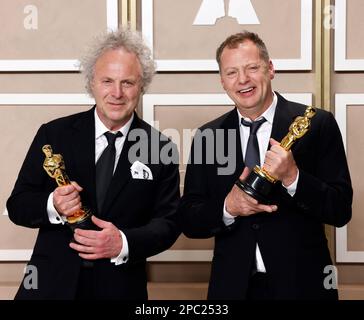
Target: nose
[[243, 76], [117, 91]]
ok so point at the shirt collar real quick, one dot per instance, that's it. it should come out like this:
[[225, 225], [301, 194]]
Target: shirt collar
[[100, 128], [267, 114]]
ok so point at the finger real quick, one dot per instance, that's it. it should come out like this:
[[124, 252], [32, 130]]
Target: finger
[[269, 155], [245, 173], [64, 190], [239, 195], [67, 202], [71, 211], [81, 248], [73, 195], [247, 198], [74, 203], [100, 223], [59, 198], [273, 150], [273, 142], [88, 256], [250, 200], [89, 242], [267, 208], [278, 151], [91, 234], [77, 186]]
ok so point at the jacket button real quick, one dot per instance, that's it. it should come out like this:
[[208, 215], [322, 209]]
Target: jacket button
[[255, 226]]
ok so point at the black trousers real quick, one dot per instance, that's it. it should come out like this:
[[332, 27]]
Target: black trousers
[[85, 287]]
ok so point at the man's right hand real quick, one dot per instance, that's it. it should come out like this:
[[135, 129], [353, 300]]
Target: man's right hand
[[239, 203], [66, 199]]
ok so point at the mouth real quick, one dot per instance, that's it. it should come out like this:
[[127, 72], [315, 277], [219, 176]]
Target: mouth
[[247, 90], [116, 103]]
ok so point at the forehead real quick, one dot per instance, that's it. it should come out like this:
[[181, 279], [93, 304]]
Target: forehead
[[246, 48], [243, 54], [118, 60]]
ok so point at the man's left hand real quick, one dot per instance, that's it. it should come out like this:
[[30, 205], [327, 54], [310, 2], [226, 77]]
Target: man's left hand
[[92, 245]]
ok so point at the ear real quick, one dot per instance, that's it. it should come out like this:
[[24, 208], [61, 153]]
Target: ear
[[92, 84], [271, 70], [222, 82]]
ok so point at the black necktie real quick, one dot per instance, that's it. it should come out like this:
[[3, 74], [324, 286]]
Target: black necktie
[[252, 157], [105, 168]]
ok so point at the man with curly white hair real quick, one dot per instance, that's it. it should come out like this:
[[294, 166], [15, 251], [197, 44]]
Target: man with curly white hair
[[133, 210]]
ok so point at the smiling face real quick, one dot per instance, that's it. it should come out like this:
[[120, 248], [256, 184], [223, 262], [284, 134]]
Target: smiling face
[[246, 78], [116, 87]]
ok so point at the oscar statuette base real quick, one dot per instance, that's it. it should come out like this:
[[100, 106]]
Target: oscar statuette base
[[258, 185]]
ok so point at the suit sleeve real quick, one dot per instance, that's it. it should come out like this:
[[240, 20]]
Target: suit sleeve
[[27, 204], [327, 194], [200, 212], [162, 229]]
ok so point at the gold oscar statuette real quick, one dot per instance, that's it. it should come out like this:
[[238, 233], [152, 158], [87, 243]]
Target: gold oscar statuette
[[259, 182], [54, 166]]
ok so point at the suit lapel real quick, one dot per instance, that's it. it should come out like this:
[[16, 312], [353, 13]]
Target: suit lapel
[[283, 117], [83, 153], [232, 123]]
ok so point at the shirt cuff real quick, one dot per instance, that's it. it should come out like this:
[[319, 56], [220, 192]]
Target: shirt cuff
[[291, 189], [227, 217], [53, 215], [123, 256]]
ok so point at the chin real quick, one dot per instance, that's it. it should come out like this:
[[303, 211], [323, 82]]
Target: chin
[[248, 103]]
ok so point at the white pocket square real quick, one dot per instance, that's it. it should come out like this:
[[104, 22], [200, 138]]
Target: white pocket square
[[140, 171]]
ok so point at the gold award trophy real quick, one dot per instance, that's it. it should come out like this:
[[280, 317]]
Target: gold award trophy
[[54, 166], [259, 183]]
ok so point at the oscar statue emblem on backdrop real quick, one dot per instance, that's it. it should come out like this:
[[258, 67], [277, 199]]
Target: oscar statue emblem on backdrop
[[259, 183]]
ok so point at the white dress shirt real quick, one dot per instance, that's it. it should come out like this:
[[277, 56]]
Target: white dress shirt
[[100, 145], [263, 135]]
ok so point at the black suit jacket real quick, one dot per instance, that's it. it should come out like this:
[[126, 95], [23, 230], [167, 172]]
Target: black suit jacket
[[143, 209], [292, 240]]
